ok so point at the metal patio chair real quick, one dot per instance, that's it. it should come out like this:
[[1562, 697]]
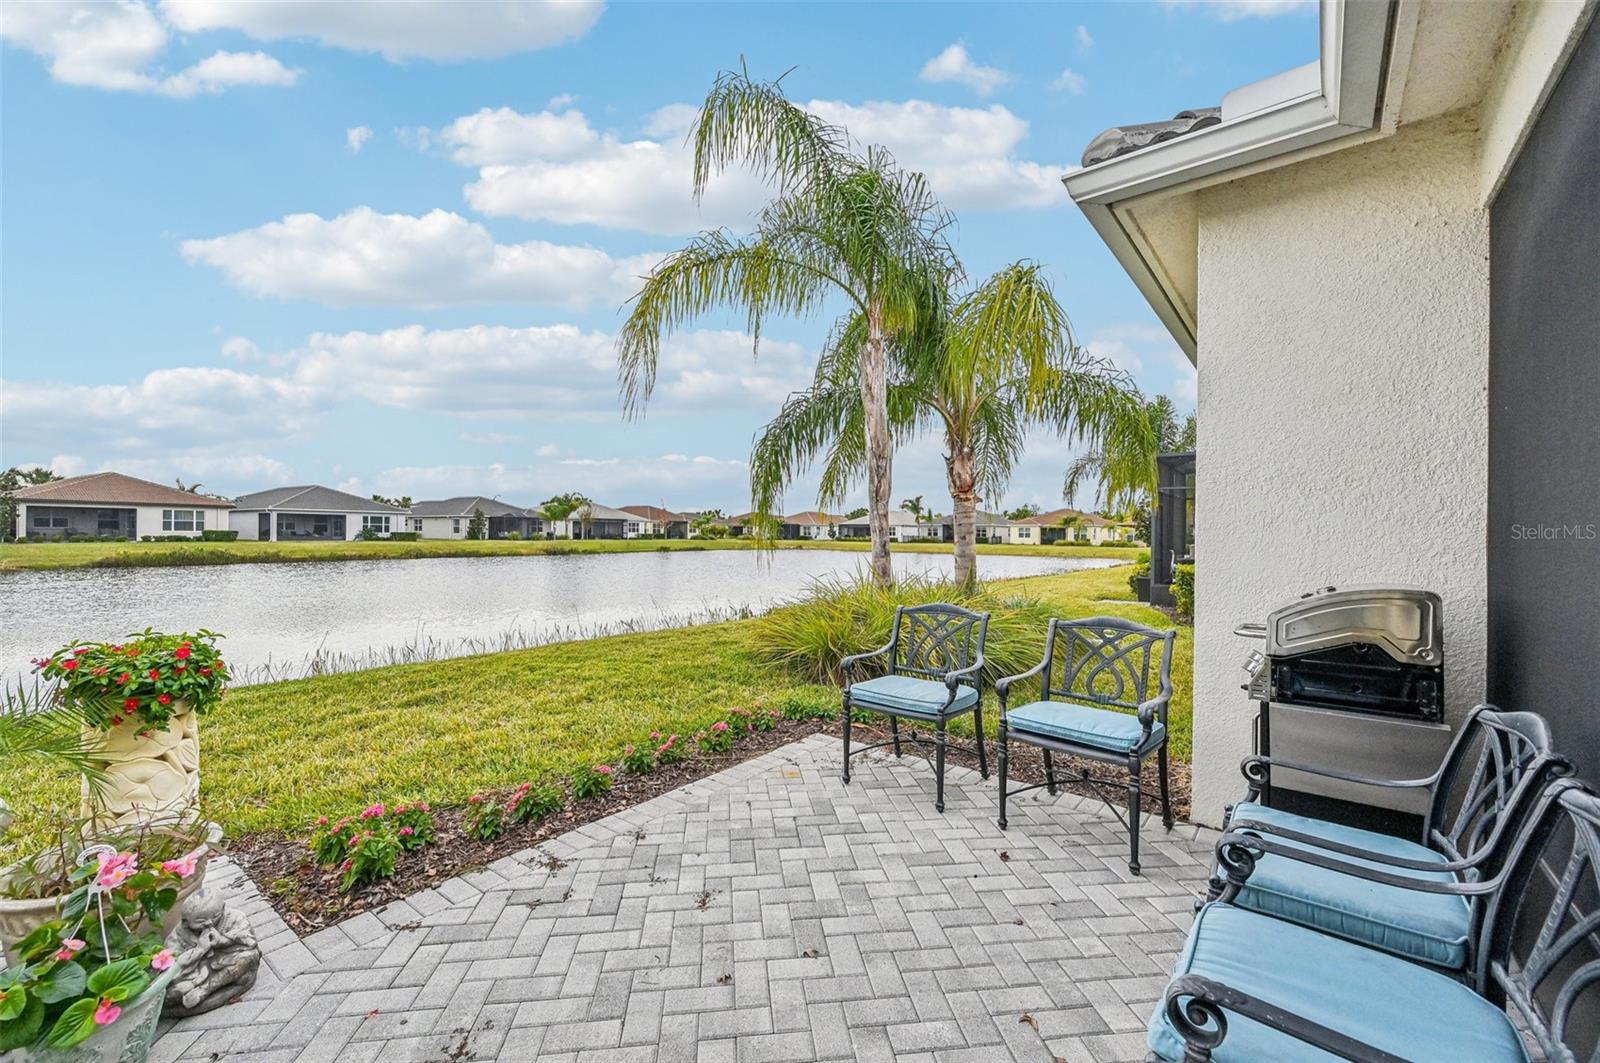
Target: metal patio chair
[[1095, 702], [934, 674]]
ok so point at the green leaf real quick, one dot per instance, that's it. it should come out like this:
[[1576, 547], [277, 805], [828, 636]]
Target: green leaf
[[23, 1030], [75, 1024], [43, 937], [12, 1003], [63, 981], [112, 975]]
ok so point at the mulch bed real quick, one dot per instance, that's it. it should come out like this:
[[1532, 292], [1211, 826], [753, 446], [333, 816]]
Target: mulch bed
[[307, 896]]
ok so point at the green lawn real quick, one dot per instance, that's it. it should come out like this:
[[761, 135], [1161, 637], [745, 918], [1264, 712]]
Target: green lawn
[[15, 557], [276, 756]]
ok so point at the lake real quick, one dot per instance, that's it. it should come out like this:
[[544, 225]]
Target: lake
[[285, 620]]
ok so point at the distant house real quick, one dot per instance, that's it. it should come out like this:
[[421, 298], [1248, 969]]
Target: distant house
[[1073, 525], [109, 503], [990, 528], [450, 518], [312, 513], [594, 521], [743, 524], [655, 521], [812, 524], [902, 527]]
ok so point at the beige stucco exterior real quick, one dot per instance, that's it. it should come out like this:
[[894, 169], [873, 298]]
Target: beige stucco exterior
[[1343, 354]]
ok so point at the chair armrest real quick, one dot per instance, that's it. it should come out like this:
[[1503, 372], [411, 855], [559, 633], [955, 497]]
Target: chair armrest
[[1278, 831], [850, 662], [1237, 853], [1197, 1007], [952, 679], [1147, 710], [1003, 685], [1257, 772]]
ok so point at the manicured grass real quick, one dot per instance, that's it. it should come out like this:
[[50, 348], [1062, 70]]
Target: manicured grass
[[15, 557], [276, 756]]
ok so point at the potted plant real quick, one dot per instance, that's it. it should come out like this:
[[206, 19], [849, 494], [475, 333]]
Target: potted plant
[[89, 985], [144, 697]]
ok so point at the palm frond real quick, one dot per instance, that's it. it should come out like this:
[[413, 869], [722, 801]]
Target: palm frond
[[750, 122]]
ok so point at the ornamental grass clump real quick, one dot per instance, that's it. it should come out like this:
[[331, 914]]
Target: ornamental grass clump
[[592, 782], [77, 973], [146, 678], [531, 802]]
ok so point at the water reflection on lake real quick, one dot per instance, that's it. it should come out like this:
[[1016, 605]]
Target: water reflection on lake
[[283, 614]]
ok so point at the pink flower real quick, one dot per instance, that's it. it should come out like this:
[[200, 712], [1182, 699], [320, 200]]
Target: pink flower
[[106, 1013], [347, 865], [719, 726], [322, 821], [373, 812], [475, 799], [182, 868], [406, 832], [424, 806], [70, 947], [114, 870], [603, 769], [400, 810], [655, 736], [162, 960]]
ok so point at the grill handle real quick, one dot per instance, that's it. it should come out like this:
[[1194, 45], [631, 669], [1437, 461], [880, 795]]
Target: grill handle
[[1251, 631]]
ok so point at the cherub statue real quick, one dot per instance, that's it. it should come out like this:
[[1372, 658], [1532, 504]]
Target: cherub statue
[[217, 956]]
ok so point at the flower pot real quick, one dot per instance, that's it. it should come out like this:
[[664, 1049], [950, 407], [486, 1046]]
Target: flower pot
[[125, 1041], [19, 917], [149, 775]]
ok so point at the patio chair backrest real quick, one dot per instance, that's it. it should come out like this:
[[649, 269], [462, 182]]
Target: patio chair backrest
[[1496, 765], [1107, 661], [1540, 950], [932, 640]]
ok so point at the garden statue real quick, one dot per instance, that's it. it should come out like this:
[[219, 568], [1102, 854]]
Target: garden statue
[[217, 956]]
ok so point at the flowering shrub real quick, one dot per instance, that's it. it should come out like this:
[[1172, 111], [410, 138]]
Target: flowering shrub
[[331, 841], [531, 802], [143, 679], [739, 721], [371, 857], [765, 721], [413, 825], [670, 751], [639, 759], [485, 819], [592, 782], [77, 972], [716, 739]]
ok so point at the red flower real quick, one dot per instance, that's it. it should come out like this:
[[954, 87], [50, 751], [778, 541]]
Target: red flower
[[165, 699], [132, 704], [116, 720], [125, 678], [102, 670], [179, 669], [80, 651], [70, 664], [182, 651], [155, 673], [204, 670]]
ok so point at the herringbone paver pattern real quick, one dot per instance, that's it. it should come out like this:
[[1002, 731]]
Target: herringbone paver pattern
[[767, 914]]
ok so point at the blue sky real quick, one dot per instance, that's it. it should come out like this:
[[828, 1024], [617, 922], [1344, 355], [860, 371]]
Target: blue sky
[[385, 246]]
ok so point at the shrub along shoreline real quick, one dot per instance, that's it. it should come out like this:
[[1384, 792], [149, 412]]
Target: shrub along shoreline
[[15, 557]]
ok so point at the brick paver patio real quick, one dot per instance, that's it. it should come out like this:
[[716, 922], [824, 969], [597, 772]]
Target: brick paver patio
[[768, 913]]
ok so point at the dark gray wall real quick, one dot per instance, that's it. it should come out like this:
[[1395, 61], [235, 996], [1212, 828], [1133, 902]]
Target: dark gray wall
[[1544, 419]]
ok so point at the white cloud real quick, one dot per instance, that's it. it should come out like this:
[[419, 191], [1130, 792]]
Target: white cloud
[[1149, 354], [1234, 10], [1071, 81], [117, 46], [491, 439], [561, 101], [615, 480], [400, 29], [356, 138], [1083, 38], [954, 64], [362, 257], [556, 167], [549, 450]]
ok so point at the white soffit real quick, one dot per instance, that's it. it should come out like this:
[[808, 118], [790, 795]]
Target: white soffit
[[1342, 100]]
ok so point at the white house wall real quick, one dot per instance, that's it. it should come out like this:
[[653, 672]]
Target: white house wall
[[1343, 356], [147, 519]]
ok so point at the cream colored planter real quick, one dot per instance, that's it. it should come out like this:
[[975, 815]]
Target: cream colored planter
[[149, 775]]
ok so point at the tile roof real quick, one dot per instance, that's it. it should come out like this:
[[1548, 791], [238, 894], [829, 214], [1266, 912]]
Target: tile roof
[[312, 498], [897, 518], [1055, 517], [113, 488], [595, 511], [1123, 139], [812, 516], [655, 513], [464, 505]]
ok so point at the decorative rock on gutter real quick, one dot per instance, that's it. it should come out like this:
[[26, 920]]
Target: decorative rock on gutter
[[1120, 140]]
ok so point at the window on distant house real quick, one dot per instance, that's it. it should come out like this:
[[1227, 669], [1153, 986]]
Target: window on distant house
[[378, 522], [455, 526], [51, 520], [182, 520], [632, 528], [416, 524]]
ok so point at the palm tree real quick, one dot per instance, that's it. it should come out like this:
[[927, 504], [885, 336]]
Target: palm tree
[[998, 362], [913, 506], [1129, 481], [841, 224], [562, 506]]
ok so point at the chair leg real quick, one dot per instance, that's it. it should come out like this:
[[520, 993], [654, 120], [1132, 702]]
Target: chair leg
[[1166, 796], [1135, 792], [1049, 774], [938, 756], [846, 729], [894, 729], [1002, 773], [983, 755]]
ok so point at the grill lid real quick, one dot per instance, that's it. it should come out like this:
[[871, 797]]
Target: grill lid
[[1404, 622]]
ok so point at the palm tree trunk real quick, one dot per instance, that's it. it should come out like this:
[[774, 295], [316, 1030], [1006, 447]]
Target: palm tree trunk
[[959, 465], [875, 404]]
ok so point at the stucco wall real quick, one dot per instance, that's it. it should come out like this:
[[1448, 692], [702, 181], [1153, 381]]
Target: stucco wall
[[1343, 360]]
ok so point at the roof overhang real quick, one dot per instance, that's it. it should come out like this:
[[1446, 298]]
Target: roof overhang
[[1340, 96]]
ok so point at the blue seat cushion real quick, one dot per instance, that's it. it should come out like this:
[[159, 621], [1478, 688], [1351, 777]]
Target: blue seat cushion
[[1393, 1005], [910, 696], [1108, 729], [1426, 927]]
